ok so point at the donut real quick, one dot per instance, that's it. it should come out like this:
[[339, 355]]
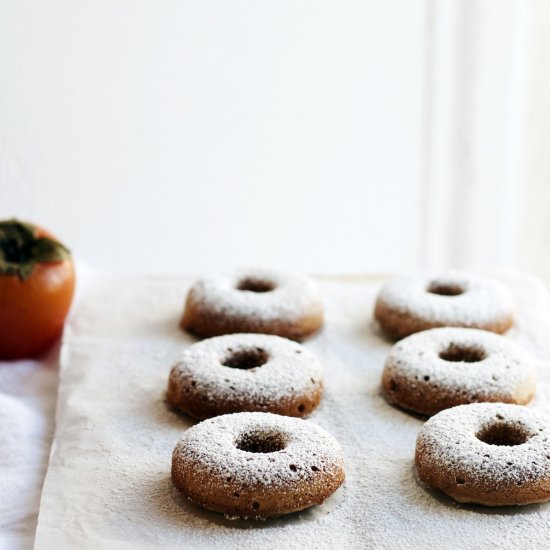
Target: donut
[[254, 300], [493, 454], [257, 465], [443, 367], [246, 372], [409, 304]]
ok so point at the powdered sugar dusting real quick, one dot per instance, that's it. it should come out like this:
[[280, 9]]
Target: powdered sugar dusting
[[211, 448], [481, 301], [504, 370], [450, 440], [293, 295], [111, 460], [290, 369]]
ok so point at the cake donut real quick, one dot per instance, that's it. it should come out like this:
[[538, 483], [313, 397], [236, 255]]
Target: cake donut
[[246, 372], [486, 453], [444, 367], [412, 303], [257, 465], [254, 300]]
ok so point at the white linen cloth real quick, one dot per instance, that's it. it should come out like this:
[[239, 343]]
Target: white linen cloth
[[28, 391], [108, 483]]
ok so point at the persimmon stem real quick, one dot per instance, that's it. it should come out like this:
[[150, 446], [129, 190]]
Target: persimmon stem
[[21, 249]]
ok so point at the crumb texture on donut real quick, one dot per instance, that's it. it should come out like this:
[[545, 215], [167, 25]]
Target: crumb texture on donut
[[412, 303], [487, 453], [254, 300], [440, 368], [246, 372], [257, 465]]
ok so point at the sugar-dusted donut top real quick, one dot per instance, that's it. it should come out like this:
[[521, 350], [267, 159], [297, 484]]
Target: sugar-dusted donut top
[[451, 440], [303, 450], [468, 360], [289, 368], [466, 300], [278, 295]]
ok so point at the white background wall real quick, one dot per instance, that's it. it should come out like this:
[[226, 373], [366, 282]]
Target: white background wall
[[323, 136]]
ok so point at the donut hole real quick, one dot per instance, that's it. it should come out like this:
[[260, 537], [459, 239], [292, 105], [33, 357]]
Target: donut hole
[[246, 359], [261, 441], [252, 284], [503, 434], [445, 289], [465, 354]]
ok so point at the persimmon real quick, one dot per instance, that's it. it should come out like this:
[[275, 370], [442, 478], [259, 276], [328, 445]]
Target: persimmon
[[37, 281]]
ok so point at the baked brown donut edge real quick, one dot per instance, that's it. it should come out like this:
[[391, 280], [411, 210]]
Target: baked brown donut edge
[[183, 395], [398, 324], [238, 501], [205, 323], [426, 399], [487, 494]]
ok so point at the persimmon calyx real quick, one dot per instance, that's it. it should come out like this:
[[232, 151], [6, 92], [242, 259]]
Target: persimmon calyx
[[21, 249]]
